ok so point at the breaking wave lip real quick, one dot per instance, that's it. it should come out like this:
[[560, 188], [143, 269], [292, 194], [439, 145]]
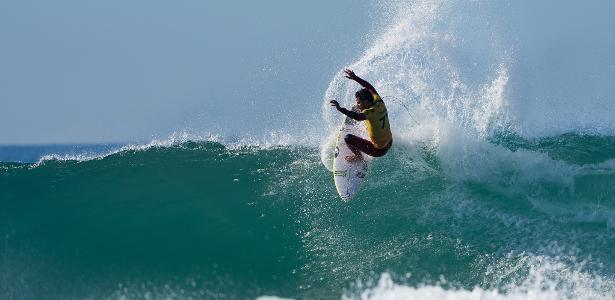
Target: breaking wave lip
[[270, 140]]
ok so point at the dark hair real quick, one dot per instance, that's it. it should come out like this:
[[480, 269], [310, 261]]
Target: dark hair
[[364, 95]]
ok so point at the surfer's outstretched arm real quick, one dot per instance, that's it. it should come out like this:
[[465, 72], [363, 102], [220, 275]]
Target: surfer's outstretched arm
[[352, 76], [351, 114]]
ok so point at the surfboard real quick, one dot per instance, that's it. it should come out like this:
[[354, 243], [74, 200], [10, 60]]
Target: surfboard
[[347, 175]]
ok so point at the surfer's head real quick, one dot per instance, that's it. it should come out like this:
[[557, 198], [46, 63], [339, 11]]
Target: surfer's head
[[364, 98]]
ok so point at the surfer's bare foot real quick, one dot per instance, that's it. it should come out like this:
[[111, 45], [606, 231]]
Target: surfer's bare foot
[[351, 158]]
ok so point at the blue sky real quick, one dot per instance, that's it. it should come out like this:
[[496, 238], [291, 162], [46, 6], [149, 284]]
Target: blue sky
[[102, 71]]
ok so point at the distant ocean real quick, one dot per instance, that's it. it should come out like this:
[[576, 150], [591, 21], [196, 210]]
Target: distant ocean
[[492, 190]]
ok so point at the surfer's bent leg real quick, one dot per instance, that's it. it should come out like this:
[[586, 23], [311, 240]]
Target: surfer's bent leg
[[357, 145]]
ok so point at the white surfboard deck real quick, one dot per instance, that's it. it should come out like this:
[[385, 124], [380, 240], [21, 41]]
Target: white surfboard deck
[[347, 175]]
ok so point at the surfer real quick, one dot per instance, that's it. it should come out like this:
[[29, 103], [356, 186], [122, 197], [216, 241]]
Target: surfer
[[374, 113]]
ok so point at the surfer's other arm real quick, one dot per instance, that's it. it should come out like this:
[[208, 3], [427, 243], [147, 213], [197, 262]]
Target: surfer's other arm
[[351, 114], [352, 76]]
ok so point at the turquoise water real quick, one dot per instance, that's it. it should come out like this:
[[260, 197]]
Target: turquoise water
[[204, 220]]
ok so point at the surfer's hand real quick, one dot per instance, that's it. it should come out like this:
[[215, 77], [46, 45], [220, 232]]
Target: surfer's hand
[[350, 74], [335, 104]]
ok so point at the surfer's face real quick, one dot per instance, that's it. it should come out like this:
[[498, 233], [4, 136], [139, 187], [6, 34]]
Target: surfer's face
[[362, 104]]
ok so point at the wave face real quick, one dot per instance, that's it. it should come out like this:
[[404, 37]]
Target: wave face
[[203, 220]]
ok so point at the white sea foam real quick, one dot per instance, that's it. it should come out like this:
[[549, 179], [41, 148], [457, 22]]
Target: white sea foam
[[386, 289], [466, 158], [520, 276]]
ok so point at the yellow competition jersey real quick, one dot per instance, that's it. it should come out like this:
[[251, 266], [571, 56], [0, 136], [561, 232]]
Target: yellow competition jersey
[[377, 123]]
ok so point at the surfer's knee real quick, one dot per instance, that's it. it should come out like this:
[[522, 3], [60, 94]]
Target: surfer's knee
[[348, 138]]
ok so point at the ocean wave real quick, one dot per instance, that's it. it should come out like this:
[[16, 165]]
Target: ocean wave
[[269, 140]]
